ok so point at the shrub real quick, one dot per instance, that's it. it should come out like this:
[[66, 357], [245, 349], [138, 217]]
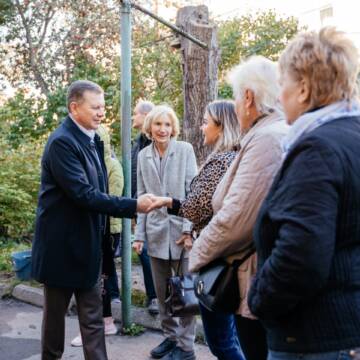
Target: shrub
[[19, 184]]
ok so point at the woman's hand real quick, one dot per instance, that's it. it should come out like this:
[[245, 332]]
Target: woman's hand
[[138, 246], [160, 201], [186, 241]]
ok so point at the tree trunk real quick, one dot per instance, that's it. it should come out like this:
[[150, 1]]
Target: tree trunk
[[200, 69]]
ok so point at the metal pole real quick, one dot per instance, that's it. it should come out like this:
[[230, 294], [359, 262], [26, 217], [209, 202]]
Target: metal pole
[[125, 30]]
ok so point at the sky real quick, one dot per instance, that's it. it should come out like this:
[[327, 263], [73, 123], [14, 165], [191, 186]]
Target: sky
[[228, 7]]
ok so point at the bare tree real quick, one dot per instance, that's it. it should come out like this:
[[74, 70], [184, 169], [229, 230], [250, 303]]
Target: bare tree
[[200, 69]]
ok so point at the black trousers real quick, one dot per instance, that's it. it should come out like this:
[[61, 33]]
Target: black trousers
[[252, 337], [89, 306]]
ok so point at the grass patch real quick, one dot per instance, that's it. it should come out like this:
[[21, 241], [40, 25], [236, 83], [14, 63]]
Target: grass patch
[[133, 330], [138, 298]]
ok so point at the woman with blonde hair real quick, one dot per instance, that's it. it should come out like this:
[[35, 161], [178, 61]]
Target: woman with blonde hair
[[221, 133], [166, 167], [239, 195], [307, 289]]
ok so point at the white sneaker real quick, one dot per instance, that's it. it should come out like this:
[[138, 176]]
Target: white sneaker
[[77, 341], [110, 329]]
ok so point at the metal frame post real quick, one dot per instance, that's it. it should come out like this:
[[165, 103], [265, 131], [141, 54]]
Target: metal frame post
[[125, 30]]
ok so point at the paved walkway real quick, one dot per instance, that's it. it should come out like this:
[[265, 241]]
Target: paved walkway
[[20, 328]]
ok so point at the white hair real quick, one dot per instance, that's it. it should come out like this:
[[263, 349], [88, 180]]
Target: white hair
[[260, 75], [144, 107]]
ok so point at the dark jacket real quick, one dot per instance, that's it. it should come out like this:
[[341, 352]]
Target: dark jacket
[[307, 289], [139, 143], [71, 215]]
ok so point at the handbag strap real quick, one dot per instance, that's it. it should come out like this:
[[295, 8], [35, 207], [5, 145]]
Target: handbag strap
[[182, 254], [180, 262], [250, 249]]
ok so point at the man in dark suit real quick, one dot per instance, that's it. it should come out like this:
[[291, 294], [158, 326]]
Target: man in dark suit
[[71, 223]]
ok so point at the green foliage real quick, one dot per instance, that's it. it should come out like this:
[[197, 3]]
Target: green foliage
[[6, 11], [19, 183], [156, 67], [134, 258], [138, 298], [6, 249], [29, 118], [133, 330], [264, 33]]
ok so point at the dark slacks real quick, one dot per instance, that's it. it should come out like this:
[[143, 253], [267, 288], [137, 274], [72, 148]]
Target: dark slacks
[[148, 279], [89, 306]]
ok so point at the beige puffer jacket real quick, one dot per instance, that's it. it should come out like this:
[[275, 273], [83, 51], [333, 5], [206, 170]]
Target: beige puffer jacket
[[237, 200]]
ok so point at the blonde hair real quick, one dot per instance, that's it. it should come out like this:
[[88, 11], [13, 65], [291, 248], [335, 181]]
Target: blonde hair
[[222, 112], [327, 60], [260, 75], [160, 111]]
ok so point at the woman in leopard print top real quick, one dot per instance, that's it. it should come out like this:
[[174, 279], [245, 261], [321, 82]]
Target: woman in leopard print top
[[221, 131], [197, 205]]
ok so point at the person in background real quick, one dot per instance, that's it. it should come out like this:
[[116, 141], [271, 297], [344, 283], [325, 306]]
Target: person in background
[[222, 133], [239, 195], [307, 288], [166, 167], [116, 185], [141, 109]]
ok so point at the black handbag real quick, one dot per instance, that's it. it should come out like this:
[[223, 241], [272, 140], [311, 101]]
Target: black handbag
[[217, 286], [180, 296]]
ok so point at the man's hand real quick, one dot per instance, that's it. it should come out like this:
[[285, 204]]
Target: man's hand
[[160, 201], [186, 241], [144, 203], [138, 246]]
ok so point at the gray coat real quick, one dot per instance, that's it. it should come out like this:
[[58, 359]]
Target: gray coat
[[158, 228]]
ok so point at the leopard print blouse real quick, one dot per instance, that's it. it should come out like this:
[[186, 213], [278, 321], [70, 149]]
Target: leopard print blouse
[[197, 205]]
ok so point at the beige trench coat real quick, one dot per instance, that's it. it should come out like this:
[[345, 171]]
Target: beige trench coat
[[237, 200]]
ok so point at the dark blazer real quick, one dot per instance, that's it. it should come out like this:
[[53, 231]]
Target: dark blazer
[[71, 215], [307, 288], [139, 143]]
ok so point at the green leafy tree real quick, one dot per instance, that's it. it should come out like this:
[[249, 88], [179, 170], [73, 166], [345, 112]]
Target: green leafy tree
[[7, 11], [263, 33]]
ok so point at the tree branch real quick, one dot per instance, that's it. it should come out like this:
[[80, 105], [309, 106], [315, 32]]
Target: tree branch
[[37, 73]]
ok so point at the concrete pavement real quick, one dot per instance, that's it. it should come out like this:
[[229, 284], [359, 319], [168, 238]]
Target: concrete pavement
[[20, 331]]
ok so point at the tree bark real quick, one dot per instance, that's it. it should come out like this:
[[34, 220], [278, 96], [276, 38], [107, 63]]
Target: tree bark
[[200, 71]]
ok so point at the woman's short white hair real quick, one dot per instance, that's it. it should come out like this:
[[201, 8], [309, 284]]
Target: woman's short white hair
[[260, 75]]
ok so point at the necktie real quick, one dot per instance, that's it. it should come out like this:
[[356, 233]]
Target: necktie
[[93, 149]]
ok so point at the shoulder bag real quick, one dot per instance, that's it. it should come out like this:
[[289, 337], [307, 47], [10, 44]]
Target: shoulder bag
[[217, 286]]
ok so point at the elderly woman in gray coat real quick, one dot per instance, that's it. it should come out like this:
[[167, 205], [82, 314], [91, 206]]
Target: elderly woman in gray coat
[[166, 168]]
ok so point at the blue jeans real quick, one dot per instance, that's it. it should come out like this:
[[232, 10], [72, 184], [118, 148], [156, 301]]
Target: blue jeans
[[148, 280], [221, 335], [333, 355]]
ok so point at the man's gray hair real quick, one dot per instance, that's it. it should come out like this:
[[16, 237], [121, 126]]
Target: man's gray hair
[[76, 90], [144, 107]]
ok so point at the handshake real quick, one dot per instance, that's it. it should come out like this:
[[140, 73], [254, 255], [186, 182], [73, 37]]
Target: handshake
[[149, 202]]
